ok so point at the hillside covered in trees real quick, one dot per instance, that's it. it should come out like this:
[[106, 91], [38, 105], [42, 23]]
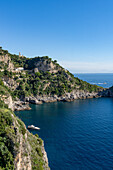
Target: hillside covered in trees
[[39, 76]]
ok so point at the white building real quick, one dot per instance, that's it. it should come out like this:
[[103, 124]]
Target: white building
[[19, 69]]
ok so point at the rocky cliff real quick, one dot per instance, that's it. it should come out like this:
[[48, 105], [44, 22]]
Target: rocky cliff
[[76, 94], [5, 62], [19, 149], [41, 64]]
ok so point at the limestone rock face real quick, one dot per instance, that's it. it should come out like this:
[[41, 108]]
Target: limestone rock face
[[5, 59], [9, 102], [20, 105], [33, 100], [75, 94], [10, 83], [44, 65]]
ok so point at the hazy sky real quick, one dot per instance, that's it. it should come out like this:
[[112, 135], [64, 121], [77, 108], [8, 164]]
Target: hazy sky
[[77, 33]]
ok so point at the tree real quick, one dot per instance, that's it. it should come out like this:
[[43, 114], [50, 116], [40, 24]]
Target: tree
[[55, 61]]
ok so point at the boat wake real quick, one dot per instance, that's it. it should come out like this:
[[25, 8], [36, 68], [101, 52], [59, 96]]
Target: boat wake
[[99, 83]]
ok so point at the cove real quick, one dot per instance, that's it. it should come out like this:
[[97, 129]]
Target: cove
[[77, 135]]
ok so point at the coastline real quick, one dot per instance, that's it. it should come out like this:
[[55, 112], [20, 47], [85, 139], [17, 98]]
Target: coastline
[[23, 104], [68, 97]]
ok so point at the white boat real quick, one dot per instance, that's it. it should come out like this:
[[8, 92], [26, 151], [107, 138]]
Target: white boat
[[33, 127]]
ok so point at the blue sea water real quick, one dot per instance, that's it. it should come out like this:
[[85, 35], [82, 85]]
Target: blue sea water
[[101, 79], [77, 135]]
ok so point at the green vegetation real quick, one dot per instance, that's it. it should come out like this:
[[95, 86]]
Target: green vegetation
[[6, 132], [5, 92], [6, 149], [22, 128], [36, 152], [18, 61], [8, 142], [3, 52], [42, 81], [46, 83]]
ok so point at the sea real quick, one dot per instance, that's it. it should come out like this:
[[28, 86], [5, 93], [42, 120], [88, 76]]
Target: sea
[[77, 135], [101, 79]]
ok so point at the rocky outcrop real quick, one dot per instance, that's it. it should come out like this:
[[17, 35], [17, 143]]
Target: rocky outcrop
[[76, 94], [20, 105], [80, 94], [6, 60], [10, 82], [8, 100], [42, 64], [6, 97], [16, 105], [33, 100]]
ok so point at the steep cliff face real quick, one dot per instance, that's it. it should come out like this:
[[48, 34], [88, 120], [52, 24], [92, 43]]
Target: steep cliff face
[[19, 149], [42, 64], [10, 82]]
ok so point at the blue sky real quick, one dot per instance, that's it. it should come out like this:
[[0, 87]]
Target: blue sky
[[77, 33]]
